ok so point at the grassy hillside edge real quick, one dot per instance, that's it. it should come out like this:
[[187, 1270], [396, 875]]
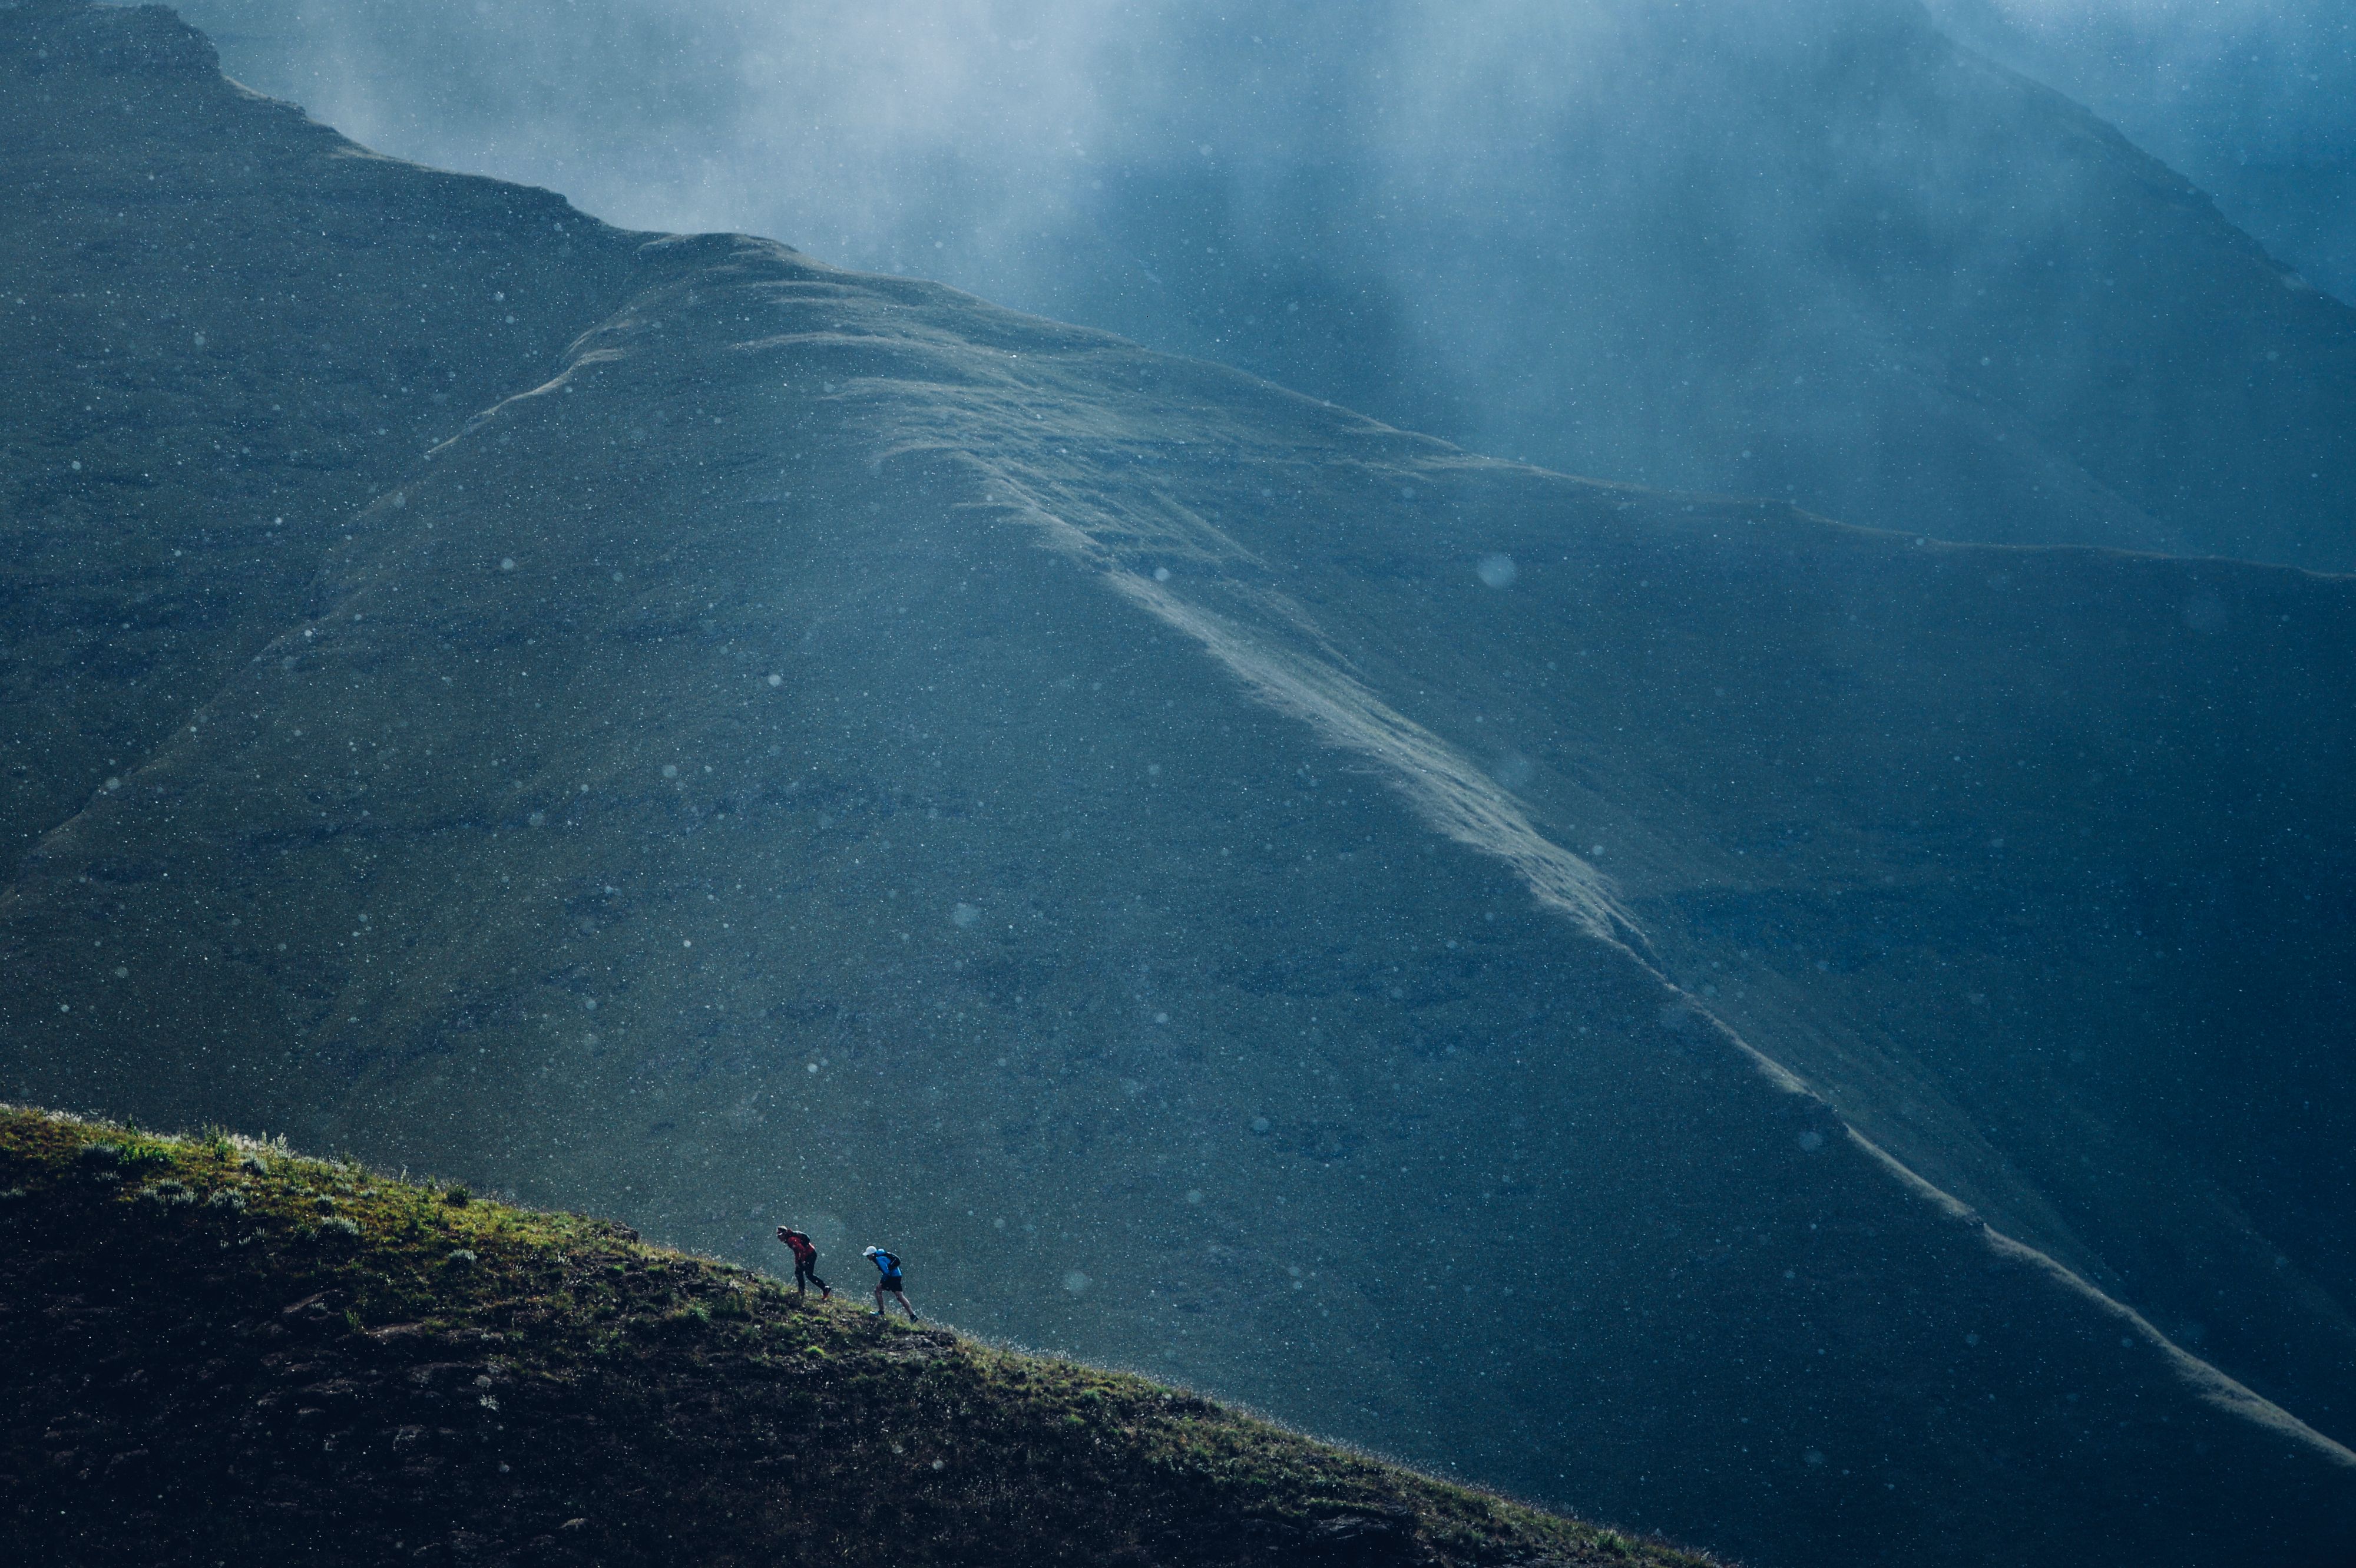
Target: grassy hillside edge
[[220, 1346]]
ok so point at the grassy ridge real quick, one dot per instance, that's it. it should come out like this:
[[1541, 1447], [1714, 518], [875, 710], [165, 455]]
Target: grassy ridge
[[219, 1346]]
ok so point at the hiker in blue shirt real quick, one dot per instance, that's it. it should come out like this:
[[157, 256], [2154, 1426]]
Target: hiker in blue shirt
[[892, 1281]]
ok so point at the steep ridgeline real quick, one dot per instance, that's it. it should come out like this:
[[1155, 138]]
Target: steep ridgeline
[[1816, 1041], [221, 1350]]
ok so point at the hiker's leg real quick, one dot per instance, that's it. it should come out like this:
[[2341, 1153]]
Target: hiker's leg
[[905, 1307]]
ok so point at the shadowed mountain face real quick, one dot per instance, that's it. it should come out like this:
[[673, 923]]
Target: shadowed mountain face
[[1818, 1041], [222, 337]]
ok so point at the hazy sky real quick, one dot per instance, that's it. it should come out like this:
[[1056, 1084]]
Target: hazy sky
[[925, 134]]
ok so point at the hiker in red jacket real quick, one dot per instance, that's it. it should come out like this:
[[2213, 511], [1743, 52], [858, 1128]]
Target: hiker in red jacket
[[805, 1263]]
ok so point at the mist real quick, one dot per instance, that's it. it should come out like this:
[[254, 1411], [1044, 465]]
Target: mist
[[1823, 254], [940, 133]]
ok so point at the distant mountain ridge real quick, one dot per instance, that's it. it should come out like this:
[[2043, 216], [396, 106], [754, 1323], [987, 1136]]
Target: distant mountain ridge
[[1525, 973], [1821, 253]]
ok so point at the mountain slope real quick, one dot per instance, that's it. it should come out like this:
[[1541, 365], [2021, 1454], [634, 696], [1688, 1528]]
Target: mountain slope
[[1514, 972], [317, 1362], [216, 356]]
